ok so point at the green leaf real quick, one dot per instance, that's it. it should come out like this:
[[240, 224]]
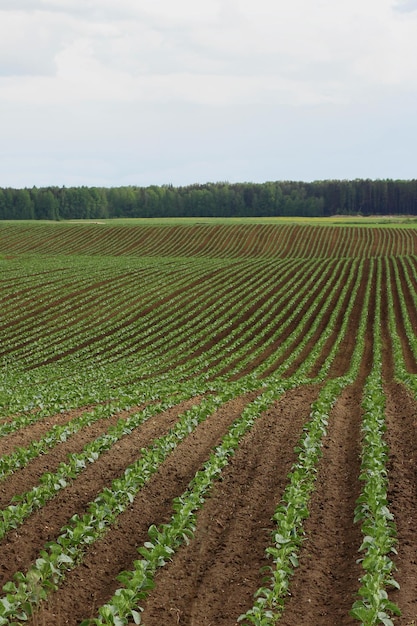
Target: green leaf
[[136, 617], [359, 611], [385, 620], [64, 558], [393, 583]]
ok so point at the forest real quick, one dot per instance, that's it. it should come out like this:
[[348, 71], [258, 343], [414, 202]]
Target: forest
[[221, 199]]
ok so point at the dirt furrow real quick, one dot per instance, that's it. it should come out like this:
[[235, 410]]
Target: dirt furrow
[[214, 578], [408, 355], [21, 546], [24, 436], [94, 581], [326, 583], [26, 478], [323, 588], [343, 357], [401, 437]]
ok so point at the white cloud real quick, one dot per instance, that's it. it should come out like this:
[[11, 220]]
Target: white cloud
[[215, 52], [29, 43], [76, 69]]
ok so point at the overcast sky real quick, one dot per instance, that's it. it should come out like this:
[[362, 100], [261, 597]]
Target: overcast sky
[[141, 92]]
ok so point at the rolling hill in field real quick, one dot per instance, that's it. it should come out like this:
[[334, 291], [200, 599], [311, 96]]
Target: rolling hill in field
[[183, 405]]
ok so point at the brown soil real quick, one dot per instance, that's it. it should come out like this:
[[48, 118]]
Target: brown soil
[[20, 547], [348, 344], [117, 550], [324, 586], [401, 436], [323, 589], [213, 579], [36, 430]]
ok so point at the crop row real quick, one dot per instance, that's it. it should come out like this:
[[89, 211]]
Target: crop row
[[116, 316], [165, 540], [293, 509], [58, 557], [377, 523], [227, 240], [144, 334], [99, 310], [50, 485], [156, 326]]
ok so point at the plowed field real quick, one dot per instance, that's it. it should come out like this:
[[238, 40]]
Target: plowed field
[[140, 361]]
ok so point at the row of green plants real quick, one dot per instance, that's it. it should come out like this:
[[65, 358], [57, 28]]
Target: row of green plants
[[293, 509], [215, 311], [59, 433], [237, 350], [57, 482], [372, 510], [410, 286], [290, 515], [63, 554], [121, 326], [346, 309], [97, 312], [164, 541], [50, 483], [330, 298], [400, 368]]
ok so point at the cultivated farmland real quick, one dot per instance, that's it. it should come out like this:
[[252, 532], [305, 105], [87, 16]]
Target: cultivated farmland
[[208, 423]]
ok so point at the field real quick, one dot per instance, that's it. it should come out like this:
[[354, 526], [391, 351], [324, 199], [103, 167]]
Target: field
[[208, 423]]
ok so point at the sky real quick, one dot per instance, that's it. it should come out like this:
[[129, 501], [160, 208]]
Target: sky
[[157, 92]]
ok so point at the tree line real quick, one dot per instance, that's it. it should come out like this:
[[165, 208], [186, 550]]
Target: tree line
[[221, 199]]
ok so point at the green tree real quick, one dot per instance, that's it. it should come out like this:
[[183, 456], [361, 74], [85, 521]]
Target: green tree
[[46, 205]]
